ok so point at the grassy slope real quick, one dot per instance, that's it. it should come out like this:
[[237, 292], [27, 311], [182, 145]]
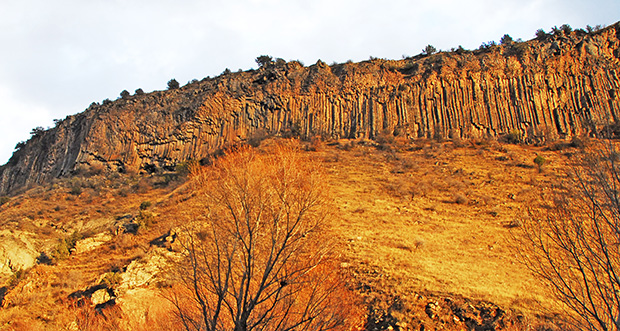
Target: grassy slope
[[415, 221]]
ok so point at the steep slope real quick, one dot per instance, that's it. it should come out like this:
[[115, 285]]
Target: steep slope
[[421, 226], [552, 87]]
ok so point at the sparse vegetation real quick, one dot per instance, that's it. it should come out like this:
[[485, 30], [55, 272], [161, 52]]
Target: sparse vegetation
[[183, 168], [539, 160], [506, 40], [145, 219], [262, 235], [429, 50], [566, 29], [39, 130], [20, 145], [596, 28], [264, 61], [145, 205], [63, 248], [412, 203], [513, 137], [571, 244], [173, 84], [112, 279]]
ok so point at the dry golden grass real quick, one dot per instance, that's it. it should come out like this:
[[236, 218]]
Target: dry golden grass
[[437, 220], [414, 221]]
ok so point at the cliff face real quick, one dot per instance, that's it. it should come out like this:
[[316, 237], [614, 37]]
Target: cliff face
[[554, 87]]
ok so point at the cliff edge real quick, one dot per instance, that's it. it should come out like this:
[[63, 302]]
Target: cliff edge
[[552, 87]]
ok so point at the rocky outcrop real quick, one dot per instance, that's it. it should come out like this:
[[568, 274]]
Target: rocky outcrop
[[18, 252], [553, 87]]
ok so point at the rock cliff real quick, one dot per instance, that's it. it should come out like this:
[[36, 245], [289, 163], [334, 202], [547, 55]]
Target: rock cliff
[[555, 86]]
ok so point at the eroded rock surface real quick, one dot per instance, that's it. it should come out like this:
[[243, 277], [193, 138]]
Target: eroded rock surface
[[554, 87]]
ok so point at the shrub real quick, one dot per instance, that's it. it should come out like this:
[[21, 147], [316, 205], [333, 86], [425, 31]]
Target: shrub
[[280, 62], [488, 45], [145, 219], [64, 246], [591, 29], [506, 40], [173, 84], [106, 101], [20, 145], [429, 50], [257, 137], [37, 131], [145, 205], [43, 258], [577, 142], [540, 34], [76, 188], [566, 29], [183, 168], [540, 161], [16, 277], [139, 91], [513, 137], [125, 94], [264, 61], [4, 199], [112, 279]]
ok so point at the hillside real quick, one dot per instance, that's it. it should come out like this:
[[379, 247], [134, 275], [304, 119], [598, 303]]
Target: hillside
[[556, 86], [428, 164], [419, 225]]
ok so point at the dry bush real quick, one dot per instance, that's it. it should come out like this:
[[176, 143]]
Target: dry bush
[[90, 319], [256, 256], [572, 244]]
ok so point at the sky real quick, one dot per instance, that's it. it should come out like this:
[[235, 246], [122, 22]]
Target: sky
[[57, 57]]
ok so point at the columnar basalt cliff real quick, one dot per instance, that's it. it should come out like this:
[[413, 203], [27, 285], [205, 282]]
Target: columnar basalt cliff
[[552, 87]]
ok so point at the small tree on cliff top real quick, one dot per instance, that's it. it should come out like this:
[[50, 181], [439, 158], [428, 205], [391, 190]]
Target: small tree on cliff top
[[256, 257], [506, 40], [429, 50], [173, 84], [264, 61]]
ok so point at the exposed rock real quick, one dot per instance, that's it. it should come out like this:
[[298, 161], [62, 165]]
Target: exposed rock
[[556, 87], [144, 271], [91, 243], [100, 296], [17, 251]]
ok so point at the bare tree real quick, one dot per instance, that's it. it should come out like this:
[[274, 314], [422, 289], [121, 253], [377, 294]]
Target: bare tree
[[574, 243], [258, 257]]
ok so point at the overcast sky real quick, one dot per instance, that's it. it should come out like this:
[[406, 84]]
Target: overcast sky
[[57, 57]]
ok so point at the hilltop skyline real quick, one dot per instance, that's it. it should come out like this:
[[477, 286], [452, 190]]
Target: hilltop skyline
[[60, 58]]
